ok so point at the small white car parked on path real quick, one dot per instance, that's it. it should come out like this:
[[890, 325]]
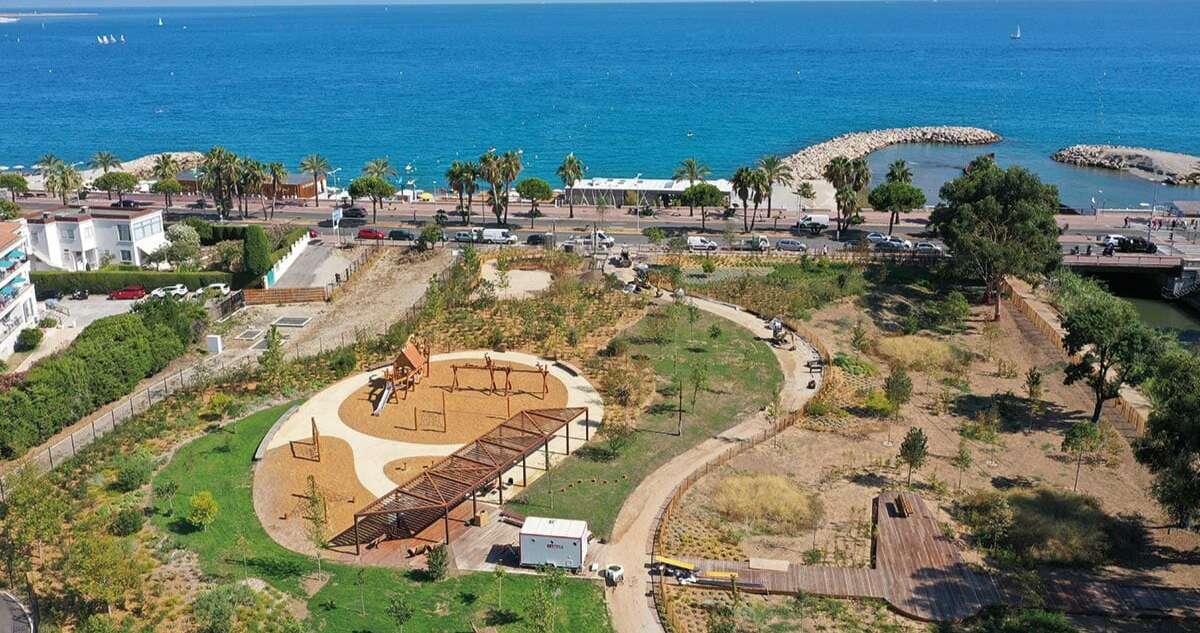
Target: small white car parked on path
[[178, 291]]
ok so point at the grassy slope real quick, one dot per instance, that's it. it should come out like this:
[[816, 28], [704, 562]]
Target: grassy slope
[[221, 463], [743, 377]]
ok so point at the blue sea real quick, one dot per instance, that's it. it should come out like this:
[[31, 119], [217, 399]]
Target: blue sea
[[631, 88]]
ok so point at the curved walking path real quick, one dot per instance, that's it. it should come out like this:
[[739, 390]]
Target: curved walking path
[[372, 453], [629, 603]]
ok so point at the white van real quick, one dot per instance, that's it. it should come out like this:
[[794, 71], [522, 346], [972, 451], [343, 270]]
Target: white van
[[697, 243], [811, 224], [498, 236]]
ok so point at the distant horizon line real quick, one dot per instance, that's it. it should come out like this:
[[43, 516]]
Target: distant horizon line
[[56, 7]]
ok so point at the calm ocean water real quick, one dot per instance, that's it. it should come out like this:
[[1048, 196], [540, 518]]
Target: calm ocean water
[[631, 88]]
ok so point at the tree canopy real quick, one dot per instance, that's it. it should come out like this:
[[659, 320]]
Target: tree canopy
[[703, 195], [535, 190], [376, 188], [14, 184], [8, 209], [118, 182], [896, 197], [1111, 347], [1171, 446], [256, 251], [998, 222]]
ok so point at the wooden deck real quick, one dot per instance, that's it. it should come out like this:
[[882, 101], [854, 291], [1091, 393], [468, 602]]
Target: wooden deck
[[916, 569], [1074, 593]]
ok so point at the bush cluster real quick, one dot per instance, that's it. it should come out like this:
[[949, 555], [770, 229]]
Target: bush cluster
[[28, 339], [212, 233], [49, 282], [104, 363]]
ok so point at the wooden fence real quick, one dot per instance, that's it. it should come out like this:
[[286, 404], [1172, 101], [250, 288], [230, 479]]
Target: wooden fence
[[272, 296], [665, 610], [1132, 406]]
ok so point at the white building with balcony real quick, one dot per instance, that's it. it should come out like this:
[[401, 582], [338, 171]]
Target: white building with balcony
[[82, 239], [18, 306]]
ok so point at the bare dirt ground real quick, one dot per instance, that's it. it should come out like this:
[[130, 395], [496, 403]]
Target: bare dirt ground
[[375, 298], [516, 283], [847, 461], [474, 407]]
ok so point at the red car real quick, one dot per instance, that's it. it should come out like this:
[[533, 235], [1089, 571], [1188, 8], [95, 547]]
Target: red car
[[128, 292], [371, 234]]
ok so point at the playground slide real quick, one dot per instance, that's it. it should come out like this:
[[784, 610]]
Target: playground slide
[[383, 399]]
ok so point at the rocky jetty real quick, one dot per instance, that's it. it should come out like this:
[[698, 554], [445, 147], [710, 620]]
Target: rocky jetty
[[143, 167], [810, 162], [1169, 167]]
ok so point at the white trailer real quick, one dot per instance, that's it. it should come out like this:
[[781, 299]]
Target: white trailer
[[558, 542]]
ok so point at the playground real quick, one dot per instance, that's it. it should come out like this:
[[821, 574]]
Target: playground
[[363, 440]]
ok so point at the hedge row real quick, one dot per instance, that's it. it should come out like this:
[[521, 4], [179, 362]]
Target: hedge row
[[285, 244], [103, 364], [49, 282], [212, 233]]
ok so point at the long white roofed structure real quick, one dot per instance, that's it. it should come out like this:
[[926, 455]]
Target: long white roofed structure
[[636, 191]]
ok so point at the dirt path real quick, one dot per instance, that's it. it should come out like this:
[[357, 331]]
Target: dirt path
[[628, 603], [374, 299]]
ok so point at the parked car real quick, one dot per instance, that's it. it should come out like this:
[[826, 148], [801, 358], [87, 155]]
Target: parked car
[[178, 291], [789, 244], [811, 224], [890, 247], [127, 204], [78, 295], [371, 234], [697, 243], [354, 212], [753, 243], [901, 242], [215, 289], [876, 238], [128, 292], [605, 240], [464, 236], [401, 235], [1111, 239], [928, 248]]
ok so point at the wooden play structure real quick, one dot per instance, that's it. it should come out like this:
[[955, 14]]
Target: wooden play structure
[[410, 366], [310, 450], [492, 368]]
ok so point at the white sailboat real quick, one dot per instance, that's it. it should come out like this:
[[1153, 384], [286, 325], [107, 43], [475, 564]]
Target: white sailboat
[[122, 38], [160, 22], [1017, 34]]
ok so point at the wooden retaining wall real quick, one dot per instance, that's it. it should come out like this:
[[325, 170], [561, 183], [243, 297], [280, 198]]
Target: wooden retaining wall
[[1132, 406], [259, 296]]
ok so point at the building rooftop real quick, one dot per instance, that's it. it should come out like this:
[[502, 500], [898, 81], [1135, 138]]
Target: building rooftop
[[657, 185], [190, 175], [84, 214], [557, 528], [10, 235]]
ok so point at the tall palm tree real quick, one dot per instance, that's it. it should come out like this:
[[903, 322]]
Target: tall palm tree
[[217, 175], [47, 161], [860, 174], [691, 170], [490, 171], [899, 171], [570, 172], [278, 175], [62, 179], [804, 191], [760, 189], [318, 166], [847, 205], [743, 182], [379, 168], [461, 177], [470, 185], [105, 161], [510, 168], [165, 166], [252, 174], [777, 172]]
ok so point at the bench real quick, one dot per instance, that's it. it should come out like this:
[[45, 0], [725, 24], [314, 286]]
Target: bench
[[902, 508]]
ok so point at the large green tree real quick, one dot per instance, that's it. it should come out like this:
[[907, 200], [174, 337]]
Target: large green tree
[[463, 177], [1110, 345], [14, 184], [62, 179], [535, 190], [372, 187], [1170, 447], [570, 172], [9, 210], [276, 175], [118, 182], [693, 171], [896, 197], [998, 222], [168, 187], [703, 195]]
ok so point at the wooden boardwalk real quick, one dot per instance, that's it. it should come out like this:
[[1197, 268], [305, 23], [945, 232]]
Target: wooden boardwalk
[[917, 570]]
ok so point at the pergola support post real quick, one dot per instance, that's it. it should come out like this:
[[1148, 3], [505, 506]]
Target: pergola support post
[[524, 476], [357, 540], [446, 522], [587, 424]]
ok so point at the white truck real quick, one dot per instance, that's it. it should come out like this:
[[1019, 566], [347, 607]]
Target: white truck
[[498, 236], [753, 243], [697, 243], [811, 224]]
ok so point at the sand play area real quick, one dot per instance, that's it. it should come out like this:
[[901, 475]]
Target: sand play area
[[359, 456]]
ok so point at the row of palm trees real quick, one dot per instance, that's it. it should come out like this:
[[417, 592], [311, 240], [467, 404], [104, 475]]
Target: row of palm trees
[[752, 184], [498, 170]]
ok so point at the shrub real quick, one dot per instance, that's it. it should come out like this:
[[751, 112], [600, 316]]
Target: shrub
[[708, 266], [203, 229], [214, 610], [28, 339], [1003, 619], [878, 405], [437, 563], [126, 522], [771, 503], [202, 509], [134, 470], [47, 322], [105, 281], [654, 234], [343, 361], [429, 237], [284, 243], [854, 365], [256, 251]]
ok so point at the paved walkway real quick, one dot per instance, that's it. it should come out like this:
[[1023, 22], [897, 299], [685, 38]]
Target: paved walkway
[[629, 603]]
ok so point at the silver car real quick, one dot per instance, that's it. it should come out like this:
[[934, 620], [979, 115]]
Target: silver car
[[795, 246]]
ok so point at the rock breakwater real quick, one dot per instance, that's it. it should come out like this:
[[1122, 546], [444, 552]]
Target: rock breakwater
[[810, 162], [1169, 167]]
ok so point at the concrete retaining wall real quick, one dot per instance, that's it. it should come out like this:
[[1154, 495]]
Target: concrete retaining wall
[[285, 262]]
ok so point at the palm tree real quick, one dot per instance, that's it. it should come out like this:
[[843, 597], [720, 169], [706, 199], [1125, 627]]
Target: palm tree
[[860, 174], [105, 161], [456, 177], [760, 188], [165, 166], [804, 191], [318, 166], [777, 172], [379, 168], [743, 182], [840, 173], [278, 175], [251, 176], [217, 175], [570, 172], [691, 170], [470, 184], [490, 171], [47, 161], [62, 179], [899, 171], [510, 168], [847, 205]]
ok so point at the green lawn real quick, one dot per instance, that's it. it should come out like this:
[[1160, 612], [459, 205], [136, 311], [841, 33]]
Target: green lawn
[[743, 377], [220, 462]]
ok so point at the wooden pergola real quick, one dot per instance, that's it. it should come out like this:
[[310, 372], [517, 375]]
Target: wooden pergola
[[414, 506]]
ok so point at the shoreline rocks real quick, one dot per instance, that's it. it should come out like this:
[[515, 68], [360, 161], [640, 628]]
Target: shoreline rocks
[[142, 166], [1168, 167], [809, 163]]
